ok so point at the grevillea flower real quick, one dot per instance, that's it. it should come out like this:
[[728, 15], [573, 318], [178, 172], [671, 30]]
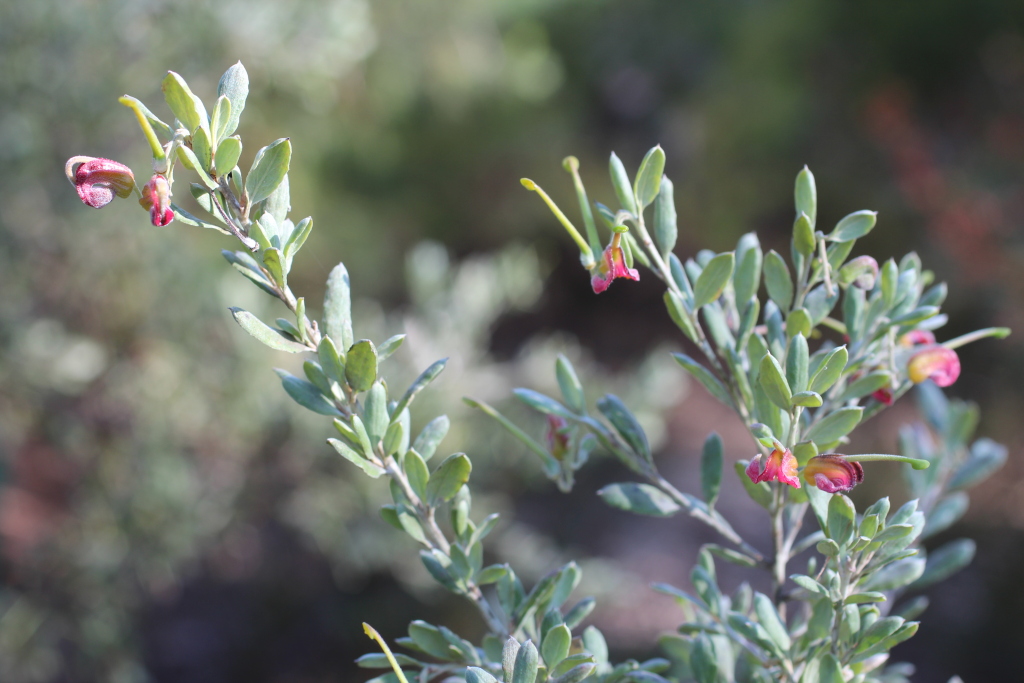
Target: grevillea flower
[[833, 473], [557, 436], [778, 466], [156, 198], [917, 338], [98, 180], [612, 265], [937, 363]]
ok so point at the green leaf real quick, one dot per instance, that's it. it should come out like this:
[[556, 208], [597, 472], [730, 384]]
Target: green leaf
[[853, 226], [711, 468], [477, 675], [807, 399], [778, 280], [986, 457], [830, 371], [234, 85], [543, 404], [769, 618], [337, 322], [356, 459], [665, 223], [713, 279], [648, 178], [803, 236], [417, 473], [867, 384], [278, 204], [643, 499], [448, 478], [264, 333], [581, 671], [835, 426], [226, 158], [829, 670], [555, 646], [805, 195], [796, 363], [298, 237], [203, 148], [747, 277], [219, 118], [394, 437], [946, 513], [379, 660], [187, 107], [895, 575], [704, 376], [375, 413], [620, 181], [677, 311], [389, 346], [526, 664], [569, 383], [841, 519], [799, 322], [361, 365], [427, 441], [330, 360], [774, 383], [626, 425], [306, 394], [274, 262], [419, 384], [268, 170]]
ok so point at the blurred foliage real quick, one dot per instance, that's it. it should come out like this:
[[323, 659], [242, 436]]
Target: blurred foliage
[[131, 457]]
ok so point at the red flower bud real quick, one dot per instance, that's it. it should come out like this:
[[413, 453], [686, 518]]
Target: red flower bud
[[98, 180], [937, 363], [557, 436], [883, 395], [917, 337], [156, 197], [778, 466], [833, 473]]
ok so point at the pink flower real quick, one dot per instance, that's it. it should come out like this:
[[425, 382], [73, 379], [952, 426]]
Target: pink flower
[[612, 265], [917, 337], [833, 473], [779, 466], [937, 363], [557, 436], [156, 197], [98, 180]]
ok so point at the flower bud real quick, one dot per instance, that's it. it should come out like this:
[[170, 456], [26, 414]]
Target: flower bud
[[778, 466], [860, 272], [833, 473], [937, 363], [156, 197], [98, 180], [916, 338], [557, 436]]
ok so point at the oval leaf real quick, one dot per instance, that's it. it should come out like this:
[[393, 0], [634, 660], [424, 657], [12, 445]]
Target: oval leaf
[[264, 333], [713, 279]]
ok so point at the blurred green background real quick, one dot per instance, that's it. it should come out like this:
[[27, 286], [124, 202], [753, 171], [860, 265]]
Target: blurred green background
[[166, 514]]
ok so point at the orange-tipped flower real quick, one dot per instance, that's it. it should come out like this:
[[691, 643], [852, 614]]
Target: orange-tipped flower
[[778, 466], [156, 198], [833, 473], [937, 363], [612, 265], [98, 180]]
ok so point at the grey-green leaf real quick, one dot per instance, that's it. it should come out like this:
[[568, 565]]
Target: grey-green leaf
[[569, 383], [774, 383], [620, 181], [448, 478], [264, 333], [805, 195], [337, 321], [711, 468], [420, 383], [427, 441], [713, 279], [666, 230], [648, 178], [625, 424], [642, 499], [226, 157], [835, 426], [234, 85], [778, 280], [830, 371], [306, 394], [853, 226], [704, 376], [268, 170], [187, 107]]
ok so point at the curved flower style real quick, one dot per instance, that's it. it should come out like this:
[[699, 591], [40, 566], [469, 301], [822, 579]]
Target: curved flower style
[[937, 363], [612, 265], [98, 180], [833, 473], [156, 198], [778, 466]]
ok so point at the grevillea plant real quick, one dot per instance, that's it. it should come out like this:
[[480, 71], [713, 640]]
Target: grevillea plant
[[799, 375]]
